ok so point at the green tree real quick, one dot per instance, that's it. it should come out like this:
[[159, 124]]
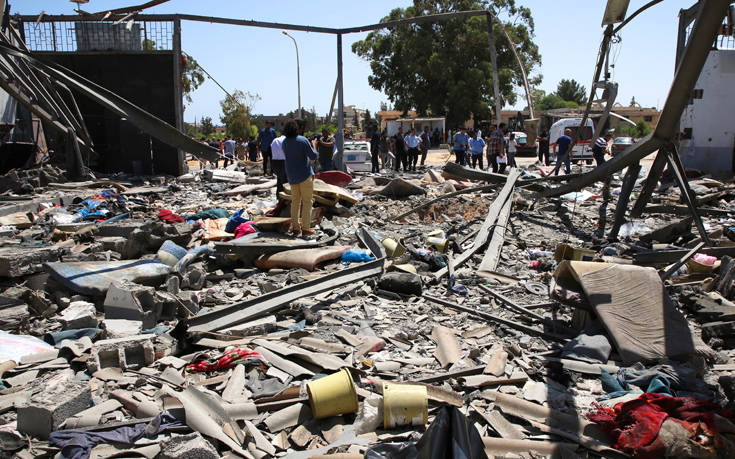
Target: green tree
[[444, 67], [206, 126], [189, 129], [366, 121], [236, 109], [383, 105], [148, 45], [641, 129], [572, 91], [552, 101], [192, 77]]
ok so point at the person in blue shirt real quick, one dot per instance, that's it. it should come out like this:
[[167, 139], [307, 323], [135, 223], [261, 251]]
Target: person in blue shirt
[[265, 137], [460, 142], [412, 144], [229, 147], [299, 153], [563, 145], [477, 146]]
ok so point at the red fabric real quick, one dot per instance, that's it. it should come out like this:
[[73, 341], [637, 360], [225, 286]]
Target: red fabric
[[170, 217], [633, 426], [243, 229], [227, 360]]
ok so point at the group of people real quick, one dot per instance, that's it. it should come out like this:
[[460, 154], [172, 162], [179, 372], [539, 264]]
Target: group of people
[[403, 150], [499, 151]]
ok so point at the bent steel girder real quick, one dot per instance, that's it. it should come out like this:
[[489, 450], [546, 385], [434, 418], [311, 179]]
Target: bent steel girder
[[703, 34]]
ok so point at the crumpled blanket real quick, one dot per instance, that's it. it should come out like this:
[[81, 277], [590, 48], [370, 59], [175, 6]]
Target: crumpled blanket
[[169, 217], [634, 426], [228, 359]]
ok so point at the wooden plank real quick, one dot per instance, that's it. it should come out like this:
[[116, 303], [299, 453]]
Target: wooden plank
[[665, 257], [492, 216], [492, 254]]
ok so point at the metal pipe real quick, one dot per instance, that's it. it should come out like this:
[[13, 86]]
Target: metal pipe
[[494, 62], [298, 71], [340, 139]]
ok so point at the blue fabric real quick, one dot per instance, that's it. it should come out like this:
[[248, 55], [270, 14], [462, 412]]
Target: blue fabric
[[229, 147], [54, 338], [476, 146], [412, 141], [298, 153], [563, 143], [265, 137], [460, 141], [77, 444], [356, 255], [236, 220]]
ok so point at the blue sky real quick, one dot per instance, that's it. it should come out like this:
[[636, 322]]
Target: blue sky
[[262, 61]]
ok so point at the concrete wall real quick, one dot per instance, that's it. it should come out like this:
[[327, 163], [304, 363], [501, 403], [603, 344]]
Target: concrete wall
[[145, 79], [710, 117]]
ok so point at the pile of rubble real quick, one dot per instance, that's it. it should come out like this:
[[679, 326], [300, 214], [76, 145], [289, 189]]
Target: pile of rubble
[[440, 313]]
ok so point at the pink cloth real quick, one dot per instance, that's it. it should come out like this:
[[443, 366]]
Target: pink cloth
[[243, 229]]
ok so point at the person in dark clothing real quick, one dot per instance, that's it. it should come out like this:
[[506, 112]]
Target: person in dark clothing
[[265, 137], [460, 142], [375, 150], [543, 147], [400, 144], [425, 144], [252, 149], [600, 148], [564, 145]]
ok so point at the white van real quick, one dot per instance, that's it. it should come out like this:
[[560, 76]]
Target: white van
[[582, 150]]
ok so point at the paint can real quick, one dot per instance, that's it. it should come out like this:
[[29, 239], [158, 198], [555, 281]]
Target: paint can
[[332, 395]]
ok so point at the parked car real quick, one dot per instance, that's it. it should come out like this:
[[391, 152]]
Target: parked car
[[523, 147], [357, 155], [620, 144]]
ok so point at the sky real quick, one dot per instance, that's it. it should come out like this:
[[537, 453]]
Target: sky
[[263, 61]]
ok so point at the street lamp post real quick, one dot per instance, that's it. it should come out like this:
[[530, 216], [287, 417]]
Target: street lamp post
[[298, 70]]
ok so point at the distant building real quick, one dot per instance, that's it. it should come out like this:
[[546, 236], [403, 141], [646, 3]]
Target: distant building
[[390, 115], [352, 114]]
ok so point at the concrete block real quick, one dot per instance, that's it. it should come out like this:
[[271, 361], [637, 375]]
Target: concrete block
[[79, 314], [114, 243], [17, 261], [122, 228], [131, 352], [122, 328], [46, 410], [191, 446], [131, 301]]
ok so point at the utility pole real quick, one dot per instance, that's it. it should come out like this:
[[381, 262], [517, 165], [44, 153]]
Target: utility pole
[[298, 70]]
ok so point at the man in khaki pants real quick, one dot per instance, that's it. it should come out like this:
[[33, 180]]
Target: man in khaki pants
[[299, 154]]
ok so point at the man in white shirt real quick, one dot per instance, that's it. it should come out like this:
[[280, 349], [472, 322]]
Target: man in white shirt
[[279, 162], [412, 144]]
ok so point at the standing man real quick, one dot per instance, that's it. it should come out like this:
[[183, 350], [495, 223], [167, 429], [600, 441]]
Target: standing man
[[279, 163], [412, 143], [252, 149], [265, 137], [385, 150], [400, 146], [477, 145], [600, 148], [374, 149], [543, 147], [325, 147], [425, 144], [229, 147], [460, 142], [563, 145], [299, 154], [495, 145]]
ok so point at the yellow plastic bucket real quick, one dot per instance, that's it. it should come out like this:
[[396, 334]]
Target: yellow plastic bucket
[[439, 243], [404, 405], [393, 248], [332, 395]]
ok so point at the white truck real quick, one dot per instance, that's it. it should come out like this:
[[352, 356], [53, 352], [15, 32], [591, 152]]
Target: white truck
[[583, 149]]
